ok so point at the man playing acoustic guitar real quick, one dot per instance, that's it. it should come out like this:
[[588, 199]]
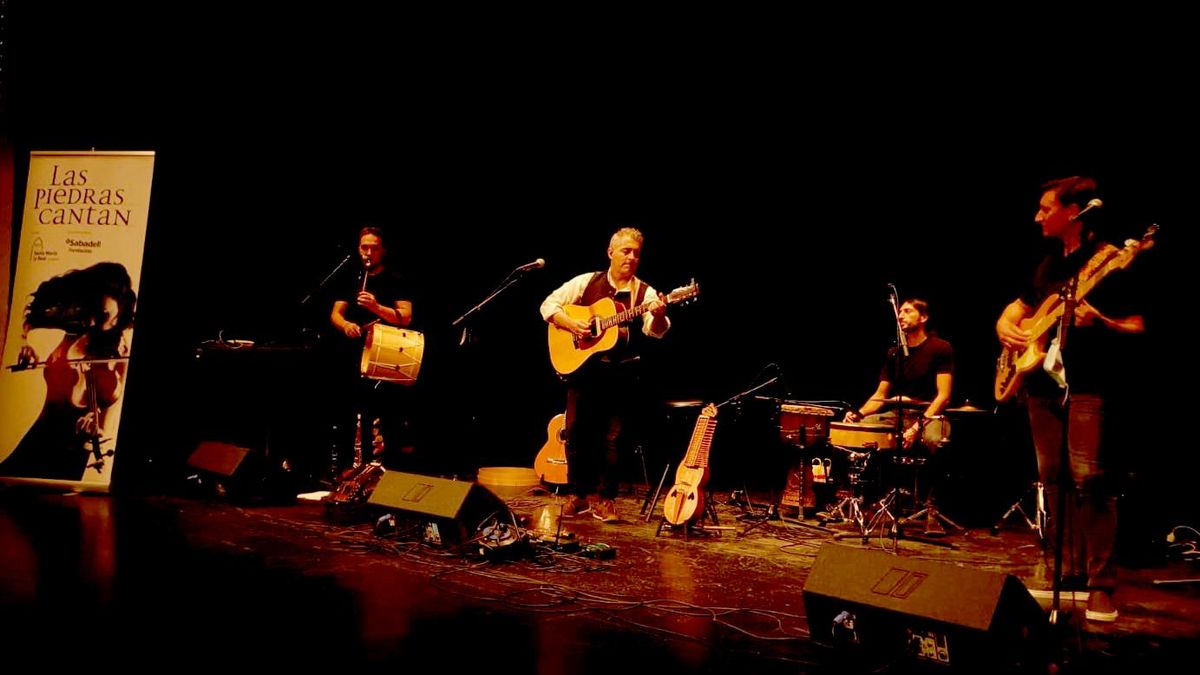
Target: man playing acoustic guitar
[[601, 393], [1088, 359]]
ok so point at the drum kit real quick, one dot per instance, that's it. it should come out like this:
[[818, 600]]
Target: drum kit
[[837, 457]]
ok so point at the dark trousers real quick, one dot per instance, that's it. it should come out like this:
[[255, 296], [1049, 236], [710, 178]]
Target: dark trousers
[[601, 406], [390, 403], [1091, 518]]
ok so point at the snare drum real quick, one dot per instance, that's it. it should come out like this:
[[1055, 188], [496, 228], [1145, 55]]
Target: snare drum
[[865, 436], [935, 432], [392, 354]]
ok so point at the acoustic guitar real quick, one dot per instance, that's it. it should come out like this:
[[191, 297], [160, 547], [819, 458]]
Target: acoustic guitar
[[569, 351], [551, 462], [1013, 364], [685, 501]]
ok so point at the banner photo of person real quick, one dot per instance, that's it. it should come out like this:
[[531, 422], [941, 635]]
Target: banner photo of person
[[70, 327]]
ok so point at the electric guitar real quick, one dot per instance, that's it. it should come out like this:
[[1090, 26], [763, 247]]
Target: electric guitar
[[569, 351], [685, 501], [1013, 364], [551, 462]]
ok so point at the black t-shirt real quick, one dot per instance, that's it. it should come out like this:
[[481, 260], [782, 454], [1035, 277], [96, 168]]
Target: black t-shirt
[[1094, 354], [919, 370], [388, 287]]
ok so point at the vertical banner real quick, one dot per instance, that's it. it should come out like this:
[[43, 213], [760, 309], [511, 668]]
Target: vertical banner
[[70, 329]]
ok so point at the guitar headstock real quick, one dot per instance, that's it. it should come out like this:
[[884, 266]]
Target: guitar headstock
[[710, 410], [683, 293], [1135, 246], [1147, 239]]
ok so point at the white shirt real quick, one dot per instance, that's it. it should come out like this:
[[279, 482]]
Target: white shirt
[[571, 293]]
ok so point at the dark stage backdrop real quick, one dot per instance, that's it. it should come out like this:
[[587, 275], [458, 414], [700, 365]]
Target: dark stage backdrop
[[793, 193]]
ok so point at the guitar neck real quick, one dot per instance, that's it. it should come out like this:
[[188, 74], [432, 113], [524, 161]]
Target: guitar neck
[[623, 317], [1089, 276], [697, 454]]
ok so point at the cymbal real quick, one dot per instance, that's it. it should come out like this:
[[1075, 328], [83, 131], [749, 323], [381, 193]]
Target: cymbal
[[901, 400], [968, 408]]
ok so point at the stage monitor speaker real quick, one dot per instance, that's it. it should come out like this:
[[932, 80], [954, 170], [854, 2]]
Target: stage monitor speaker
[[451, 510], [220, 459], [898, 608], [242, 473]]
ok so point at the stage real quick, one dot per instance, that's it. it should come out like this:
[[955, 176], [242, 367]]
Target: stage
[[164, 581]]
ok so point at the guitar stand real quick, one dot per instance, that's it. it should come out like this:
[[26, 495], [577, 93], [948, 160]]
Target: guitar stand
[[1038, 522], [709, 511]]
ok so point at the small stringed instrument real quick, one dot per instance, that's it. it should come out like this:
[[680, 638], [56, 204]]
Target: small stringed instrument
[[551, 462], [569, 351], [1013, 364], [685, 501], [359, 480]]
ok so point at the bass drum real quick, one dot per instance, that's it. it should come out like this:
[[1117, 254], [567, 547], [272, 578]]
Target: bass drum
[[392, 354]]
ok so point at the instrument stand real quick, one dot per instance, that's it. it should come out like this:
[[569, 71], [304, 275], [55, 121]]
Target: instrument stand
[[648, 504], [757, 519], [1038, 522], [708, 511], [887, 523], [934, 519], [849, 509], [881, 518], [640, 451]]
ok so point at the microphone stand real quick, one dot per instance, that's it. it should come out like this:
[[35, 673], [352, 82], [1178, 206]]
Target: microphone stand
[[898, 364], [758, 519], [1065, 481], [512, 278], [327, 278]]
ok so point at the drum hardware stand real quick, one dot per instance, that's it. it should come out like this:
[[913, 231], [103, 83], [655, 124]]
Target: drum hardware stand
[[881, 518], [852, 501], [933, 519], [757, 519], [1038, 522]]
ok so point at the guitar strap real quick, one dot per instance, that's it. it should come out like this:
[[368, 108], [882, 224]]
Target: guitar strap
[[1053, 364]]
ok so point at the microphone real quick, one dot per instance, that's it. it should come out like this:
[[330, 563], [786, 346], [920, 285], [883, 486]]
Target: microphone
[[1093, 204], [535, 265]]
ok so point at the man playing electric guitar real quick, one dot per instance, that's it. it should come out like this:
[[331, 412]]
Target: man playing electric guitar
[[601, 395], [1094, 349]]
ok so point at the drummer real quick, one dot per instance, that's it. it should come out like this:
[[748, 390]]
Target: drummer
[[913, 389], [375, 295]]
